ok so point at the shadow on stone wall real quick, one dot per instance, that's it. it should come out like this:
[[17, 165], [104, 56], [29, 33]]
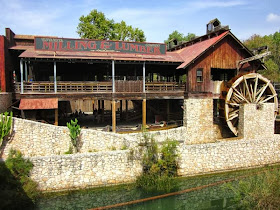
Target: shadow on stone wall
[[12, 195]]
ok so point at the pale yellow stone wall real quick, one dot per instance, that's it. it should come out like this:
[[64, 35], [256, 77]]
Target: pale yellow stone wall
[[198, 120], [256, 121]]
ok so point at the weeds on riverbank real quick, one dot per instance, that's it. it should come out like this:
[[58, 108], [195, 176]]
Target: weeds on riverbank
[[261, 191], [159, 166]]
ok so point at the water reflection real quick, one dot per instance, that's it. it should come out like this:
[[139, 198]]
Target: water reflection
[[217, 197]]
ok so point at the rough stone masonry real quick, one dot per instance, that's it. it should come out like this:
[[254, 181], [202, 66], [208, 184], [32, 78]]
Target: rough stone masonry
[[257, 146]]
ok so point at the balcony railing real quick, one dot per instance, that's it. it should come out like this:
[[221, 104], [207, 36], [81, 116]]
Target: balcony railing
[[98, 87]]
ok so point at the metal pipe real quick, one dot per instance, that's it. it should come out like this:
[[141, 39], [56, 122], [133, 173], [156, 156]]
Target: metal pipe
[[144, 77], [54, 77], [26, 76], [21, 76], [113, 76]]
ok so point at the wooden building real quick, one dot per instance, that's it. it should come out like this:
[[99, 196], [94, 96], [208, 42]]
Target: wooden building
[[54, 71]]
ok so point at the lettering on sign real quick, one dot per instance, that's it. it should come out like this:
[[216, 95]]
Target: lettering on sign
[[61, 44]]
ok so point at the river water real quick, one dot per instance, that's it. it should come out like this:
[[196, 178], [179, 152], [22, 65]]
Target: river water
[[215, 197]]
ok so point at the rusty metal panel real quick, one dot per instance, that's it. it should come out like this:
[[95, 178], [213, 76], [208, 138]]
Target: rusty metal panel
[[42, 103]]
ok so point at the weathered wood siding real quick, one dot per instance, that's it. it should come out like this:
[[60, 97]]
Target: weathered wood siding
[[222, 55]]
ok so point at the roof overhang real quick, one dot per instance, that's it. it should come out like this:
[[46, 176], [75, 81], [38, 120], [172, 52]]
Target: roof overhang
[[42, 103]]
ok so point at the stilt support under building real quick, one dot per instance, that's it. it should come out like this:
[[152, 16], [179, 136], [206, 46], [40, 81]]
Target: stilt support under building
[[113, 116], [144, 114]]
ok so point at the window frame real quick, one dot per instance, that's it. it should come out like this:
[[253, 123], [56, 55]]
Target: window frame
[[199, 76]]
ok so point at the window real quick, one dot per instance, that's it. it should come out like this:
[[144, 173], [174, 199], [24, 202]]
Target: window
[[199, 75]]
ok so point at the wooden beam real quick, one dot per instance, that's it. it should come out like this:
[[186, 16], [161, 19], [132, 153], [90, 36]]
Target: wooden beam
[[56, 117], [144, 114], [113, 116]]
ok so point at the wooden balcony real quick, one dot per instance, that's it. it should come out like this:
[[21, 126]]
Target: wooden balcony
[[98, 87]]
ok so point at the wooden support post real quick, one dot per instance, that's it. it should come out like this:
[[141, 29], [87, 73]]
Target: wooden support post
[[121, 112], [126, 110], [167, 110], [21, 76], [56, 117], [113, 116], [99, 106], [144, 120], [102, 113], [22, 114]]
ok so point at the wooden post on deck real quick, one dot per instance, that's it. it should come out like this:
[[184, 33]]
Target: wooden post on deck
[[113, 116], [56, 117], [144, 120]]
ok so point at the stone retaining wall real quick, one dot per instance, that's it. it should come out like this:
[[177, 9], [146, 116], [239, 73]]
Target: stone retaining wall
[[62, 172], [38, 139], [5, 101], [228, 155]]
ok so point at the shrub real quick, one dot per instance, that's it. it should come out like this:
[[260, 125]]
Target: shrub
[[75, 131], [20, 168], [5, 125], [159, 166]]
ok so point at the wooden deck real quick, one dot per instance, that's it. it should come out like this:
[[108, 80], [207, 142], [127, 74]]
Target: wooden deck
[[102, 90]]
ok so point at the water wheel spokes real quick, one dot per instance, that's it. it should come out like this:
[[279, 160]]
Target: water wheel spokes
[[249, 88]]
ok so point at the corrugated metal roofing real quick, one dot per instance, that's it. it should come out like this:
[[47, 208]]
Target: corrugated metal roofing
[[42, 103], [190, 53], [168, 57], [185, 55]]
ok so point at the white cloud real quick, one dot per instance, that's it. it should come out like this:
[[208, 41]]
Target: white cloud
[[273, 18], [216, 4]]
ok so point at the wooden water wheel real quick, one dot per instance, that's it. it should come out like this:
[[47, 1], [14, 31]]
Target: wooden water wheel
[[249, 88]]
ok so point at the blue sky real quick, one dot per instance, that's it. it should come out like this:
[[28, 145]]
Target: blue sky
[[156, 18]]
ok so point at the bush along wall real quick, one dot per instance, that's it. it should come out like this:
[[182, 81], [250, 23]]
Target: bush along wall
[[159, 166], [17, 190]]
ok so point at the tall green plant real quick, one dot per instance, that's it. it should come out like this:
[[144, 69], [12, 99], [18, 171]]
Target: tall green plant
[[75, 131], [159, 166], [5, 125]]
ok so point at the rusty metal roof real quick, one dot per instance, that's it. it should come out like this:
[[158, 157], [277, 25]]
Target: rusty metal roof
[[186, 55], [42, 103], [192, 52], [168, 57]]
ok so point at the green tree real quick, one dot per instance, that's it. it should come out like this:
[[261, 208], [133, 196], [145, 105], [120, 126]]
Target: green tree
[[272, 62], [180, 37], [96, 26]]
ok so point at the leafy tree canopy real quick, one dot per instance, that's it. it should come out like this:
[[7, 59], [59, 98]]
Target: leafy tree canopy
[[96, 26], [272, 62], [180, 37]]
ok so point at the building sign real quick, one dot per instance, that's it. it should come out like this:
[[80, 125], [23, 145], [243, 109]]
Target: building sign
[[61, 44]]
